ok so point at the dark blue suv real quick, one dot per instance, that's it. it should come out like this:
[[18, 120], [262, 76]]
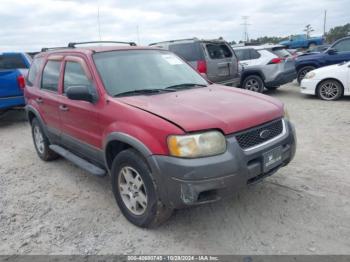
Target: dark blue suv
[[338, 52]]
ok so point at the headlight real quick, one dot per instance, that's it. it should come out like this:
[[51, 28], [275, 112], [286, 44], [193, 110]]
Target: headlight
[[286, 114], [197, 145], [310, 75]]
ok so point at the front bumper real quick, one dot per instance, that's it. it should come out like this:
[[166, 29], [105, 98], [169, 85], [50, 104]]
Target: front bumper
[[282, 78], [308, 86], [186, 182]]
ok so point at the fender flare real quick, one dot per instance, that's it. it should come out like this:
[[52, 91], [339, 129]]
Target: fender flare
[[252, 71], [127, 139]]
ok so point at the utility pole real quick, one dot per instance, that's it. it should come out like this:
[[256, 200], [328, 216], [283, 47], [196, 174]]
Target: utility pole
[[138, 34], [324, 22], [245, 28]]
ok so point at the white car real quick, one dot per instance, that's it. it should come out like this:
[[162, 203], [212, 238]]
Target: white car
[[328, 83]]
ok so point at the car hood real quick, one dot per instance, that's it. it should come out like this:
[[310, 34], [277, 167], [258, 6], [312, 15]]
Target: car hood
[[214, 107], [310, 56]]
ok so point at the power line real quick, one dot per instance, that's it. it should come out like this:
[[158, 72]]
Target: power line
[[98, 21]]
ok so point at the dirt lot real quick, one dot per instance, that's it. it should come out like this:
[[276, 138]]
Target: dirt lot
[[56, 208]]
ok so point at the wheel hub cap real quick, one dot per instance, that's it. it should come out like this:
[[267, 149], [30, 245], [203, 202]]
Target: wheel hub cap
[[132, 190], [39, 139]]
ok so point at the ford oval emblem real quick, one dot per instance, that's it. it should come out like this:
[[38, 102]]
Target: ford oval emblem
[[265, 134]]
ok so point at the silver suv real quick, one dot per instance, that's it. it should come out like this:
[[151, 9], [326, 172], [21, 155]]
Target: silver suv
[[268, 66], [214, 59]]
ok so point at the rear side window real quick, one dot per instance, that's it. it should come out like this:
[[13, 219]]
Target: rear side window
[[188, 51], [218, 51], [51, 76], [15, 61], [242, 54], [281, 52], [254, 54], [34, 70], [74, 75]]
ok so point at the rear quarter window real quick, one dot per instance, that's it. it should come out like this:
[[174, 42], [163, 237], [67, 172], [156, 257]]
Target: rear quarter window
[[15, 61], [34, 70], [188, 51], [281, 52]]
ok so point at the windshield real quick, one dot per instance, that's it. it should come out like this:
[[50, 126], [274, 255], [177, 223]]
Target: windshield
[[132, 70]]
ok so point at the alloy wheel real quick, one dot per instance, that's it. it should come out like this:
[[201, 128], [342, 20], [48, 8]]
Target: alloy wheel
[[39, 139], [329, 90], [132, 190], [252, 85]]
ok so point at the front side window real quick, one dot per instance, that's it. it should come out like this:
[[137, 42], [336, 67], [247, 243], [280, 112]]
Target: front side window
[[51, 75], [343, 46], [74, 75], [34, 70], [126, 71]]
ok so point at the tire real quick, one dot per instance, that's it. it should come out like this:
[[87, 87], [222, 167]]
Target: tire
[[42, 146], [330, 90], [136, 191], [253, 83], [303, 71], [272, 87]]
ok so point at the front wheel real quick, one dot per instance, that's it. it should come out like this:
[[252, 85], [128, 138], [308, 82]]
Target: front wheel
[[253, 83], [135, 190], [303, 71], [330, 90]]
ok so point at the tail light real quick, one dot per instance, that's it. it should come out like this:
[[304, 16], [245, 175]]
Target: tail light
[[276, 60], [202, 66], [21, 81]]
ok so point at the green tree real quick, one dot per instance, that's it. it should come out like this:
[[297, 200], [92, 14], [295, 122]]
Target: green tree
[[337, 32]]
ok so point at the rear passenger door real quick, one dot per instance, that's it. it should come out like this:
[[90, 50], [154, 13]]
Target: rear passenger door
[[222, 63], [248, 57], [47, 99]]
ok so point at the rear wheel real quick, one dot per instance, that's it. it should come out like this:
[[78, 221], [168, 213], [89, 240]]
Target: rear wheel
[[303, 71], [135, 190], [41, 142], [330, 90], [253, 83]]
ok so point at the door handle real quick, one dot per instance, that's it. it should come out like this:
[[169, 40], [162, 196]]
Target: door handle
[[39, 100], [63, 108]]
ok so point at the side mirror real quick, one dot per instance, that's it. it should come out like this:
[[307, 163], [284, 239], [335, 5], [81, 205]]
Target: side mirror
[[332, 51], [80, 93]]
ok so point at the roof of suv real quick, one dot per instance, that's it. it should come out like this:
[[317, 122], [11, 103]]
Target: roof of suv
[[96, 49], [259, 47], [189, 40]]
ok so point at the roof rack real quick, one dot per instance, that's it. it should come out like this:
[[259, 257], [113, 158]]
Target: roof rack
[[45, 49], [73, 44], [177, 40]]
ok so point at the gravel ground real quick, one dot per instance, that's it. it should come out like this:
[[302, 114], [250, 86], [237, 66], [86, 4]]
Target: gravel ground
[[56, 208]]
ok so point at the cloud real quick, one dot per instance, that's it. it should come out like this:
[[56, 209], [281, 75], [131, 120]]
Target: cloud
[[32, 24]]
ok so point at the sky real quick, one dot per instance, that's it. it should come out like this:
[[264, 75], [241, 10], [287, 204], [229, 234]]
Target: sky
[[30, 25]]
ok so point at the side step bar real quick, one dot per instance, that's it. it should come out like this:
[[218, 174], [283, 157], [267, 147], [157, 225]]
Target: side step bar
[[82, 163]]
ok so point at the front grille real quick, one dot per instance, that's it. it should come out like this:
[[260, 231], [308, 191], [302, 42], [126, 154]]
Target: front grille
[[252, 137]]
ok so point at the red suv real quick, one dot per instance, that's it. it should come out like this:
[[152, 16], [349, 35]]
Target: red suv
[[167, 137]]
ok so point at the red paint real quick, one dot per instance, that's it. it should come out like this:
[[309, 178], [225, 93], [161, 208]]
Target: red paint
[[152, 118]]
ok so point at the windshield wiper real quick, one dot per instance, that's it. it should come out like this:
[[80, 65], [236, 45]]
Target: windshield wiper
[[185, 86], [144, 91]]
